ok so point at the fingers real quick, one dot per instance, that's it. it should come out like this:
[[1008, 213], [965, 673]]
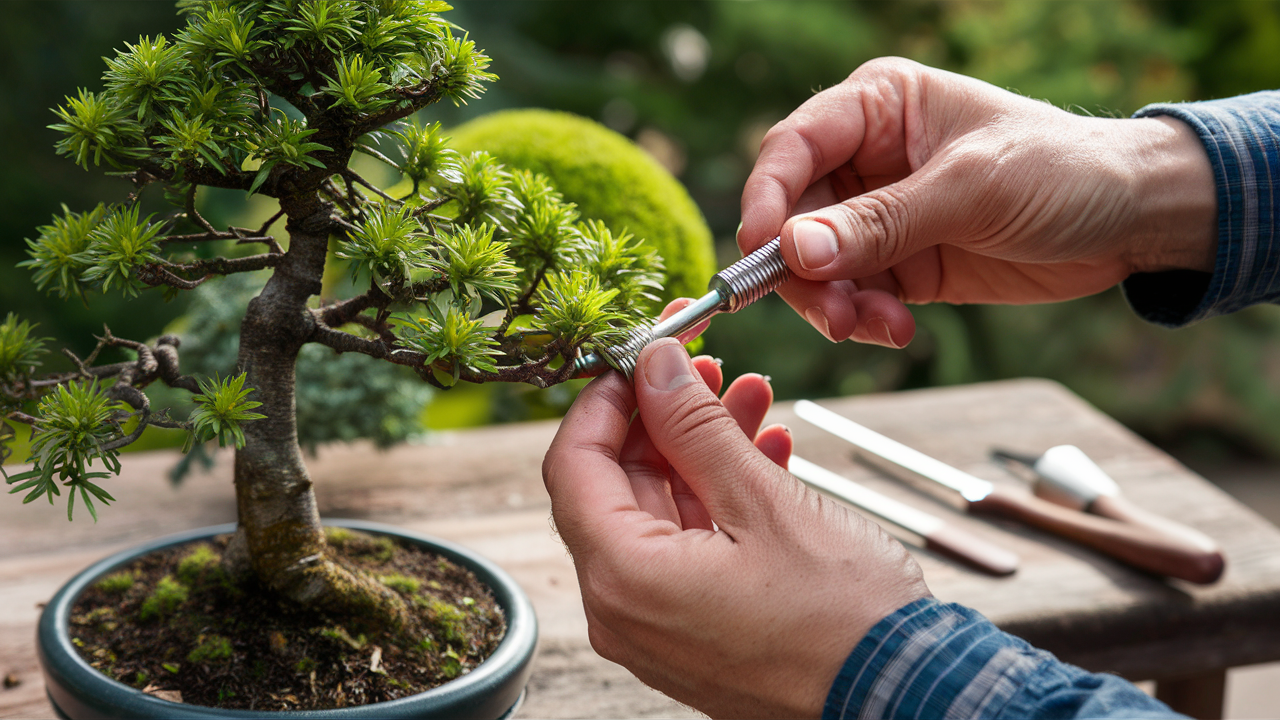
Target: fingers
[[699, 437], [676, 306], [581, 470], [747, 400], [776, 444], [863, 121]]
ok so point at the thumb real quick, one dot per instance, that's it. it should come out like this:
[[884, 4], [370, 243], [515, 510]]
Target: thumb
[[700, 438], [871, 232]]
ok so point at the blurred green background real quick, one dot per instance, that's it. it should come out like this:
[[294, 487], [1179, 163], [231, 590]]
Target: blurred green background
[[697, 83]]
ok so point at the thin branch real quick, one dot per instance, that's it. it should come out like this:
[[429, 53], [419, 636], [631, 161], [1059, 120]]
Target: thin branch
[[352, 175], [367, 150], [194, 214], [19, 416]]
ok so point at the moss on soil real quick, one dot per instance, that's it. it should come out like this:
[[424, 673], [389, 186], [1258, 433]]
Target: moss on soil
[[609, 178], [237, 647]]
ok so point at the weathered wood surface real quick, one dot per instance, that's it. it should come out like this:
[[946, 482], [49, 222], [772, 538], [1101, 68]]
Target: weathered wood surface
[[483, 488]]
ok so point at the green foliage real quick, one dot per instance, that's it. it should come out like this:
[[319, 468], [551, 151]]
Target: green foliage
[[576, 307], [358, 86], [476, 264], [20, 351], [541, 233], [118, 248], [607, 178], [73, 425], [168, 596], [96, 125], [192, 141], [427, 156], [221, 410], [150, 76], [623, 263], [482, 192], [389, 245], [447, 334], [57, 256], [283, 140]]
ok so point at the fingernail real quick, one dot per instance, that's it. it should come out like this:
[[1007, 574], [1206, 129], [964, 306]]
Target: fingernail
[[818, 319], [668, 367], [879, 331], [718, 361], [815, 244]]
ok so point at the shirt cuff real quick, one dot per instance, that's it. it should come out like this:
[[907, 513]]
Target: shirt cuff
[[1242, 138], [931, 659]]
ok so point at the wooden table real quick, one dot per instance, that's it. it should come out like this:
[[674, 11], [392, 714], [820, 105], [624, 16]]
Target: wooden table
[[483, 488]]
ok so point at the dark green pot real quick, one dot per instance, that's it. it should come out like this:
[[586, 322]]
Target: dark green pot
[[492, 690]]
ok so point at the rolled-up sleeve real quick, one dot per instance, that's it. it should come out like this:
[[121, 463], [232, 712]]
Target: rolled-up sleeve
[[940, 660], [1242, 138]]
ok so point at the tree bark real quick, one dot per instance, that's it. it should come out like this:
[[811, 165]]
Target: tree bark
[[279, 525]]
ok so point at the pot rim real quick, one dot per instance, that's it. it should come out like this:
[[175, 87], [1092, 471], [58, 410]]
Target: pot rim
[[515, 648]]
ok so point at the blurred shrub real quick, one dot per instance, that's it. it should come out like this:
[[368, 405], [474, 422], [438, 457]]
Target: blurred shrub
[[609, 179]]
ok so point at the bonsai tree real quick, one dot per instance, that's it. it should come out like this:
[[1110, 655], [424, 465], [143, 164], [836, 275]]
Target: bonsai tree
[[469, 272]]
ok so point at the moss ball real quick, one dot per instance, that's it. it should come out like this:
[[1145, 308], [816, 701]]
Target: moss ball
[[609, 178]]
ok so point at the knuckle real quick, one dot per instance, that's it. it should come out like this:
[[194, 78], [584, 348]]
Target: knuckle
[[879, 220]]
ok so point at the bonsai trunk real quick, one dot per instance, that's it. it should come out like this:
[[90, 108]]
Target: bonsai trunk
[[280, 538]]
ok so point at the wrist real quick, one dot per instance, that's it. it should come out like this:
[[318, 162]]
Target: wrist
[[1176, 223]]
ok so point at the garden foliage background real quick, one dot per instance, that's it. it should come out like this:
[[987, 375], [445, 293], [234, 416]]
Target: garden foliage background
[[697, 83]]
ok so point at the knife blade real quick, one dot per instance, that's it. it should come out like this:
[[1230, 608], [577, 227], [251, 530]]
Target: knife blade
[[1139, 544], [938, 534]]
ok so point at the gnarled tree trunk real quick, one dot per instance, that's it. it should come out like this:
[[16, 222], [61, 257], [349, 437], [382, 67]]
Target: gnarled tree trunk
[[279, 531]]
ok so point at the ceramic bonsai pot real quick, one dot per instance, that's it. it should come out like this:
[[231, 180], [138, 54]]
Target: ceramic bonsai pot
[[494, 689]]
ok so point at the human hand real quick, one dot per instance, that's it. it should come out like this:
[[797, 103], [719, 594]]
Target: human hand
[[706, 569], [910, 184]]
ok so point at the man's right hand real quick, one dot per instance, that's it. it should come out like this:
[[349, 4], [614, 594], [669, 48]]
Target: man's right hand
[[906, 184]]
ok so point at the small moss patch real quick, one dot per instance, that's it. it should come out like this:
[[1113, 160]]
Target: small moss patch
[[169, 595], [401, 583], [193, 568], [213, 649], [116, 584]]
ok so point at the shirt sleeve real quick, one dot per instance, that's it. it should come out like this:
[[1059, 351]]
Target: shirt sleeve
[[1242, 137], [933, 660]]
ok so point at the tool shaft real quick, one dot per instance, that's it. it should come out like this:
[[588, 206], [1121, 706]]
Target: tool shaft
[[730, 290]]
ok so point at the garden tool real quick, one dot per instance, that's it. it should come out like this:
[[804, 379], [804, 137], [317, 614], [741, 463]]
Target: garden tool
[[938, 534], [730, 290], [1067, 476], [1141, 544]]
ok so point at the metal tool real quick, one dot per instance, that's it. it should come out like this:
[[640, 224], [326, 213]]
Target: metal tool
[[1138, 544], [730, 290], [938, 534]]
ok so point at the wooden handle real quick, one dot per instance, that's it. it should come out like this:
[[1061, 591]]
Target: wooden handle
[[961, 545], [1138, 544]]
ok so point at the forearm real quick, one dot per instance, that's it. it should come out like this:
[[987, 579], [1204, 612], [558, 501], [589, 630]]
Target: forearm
[[932, 660], [1241, 140]]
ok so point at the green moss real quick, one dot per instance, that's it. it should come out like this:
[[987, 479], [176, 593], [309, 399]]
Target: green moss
[[196, 564], [447, 618], [171, 667], [337, 536], [401, 583], [168, 596], [450, 664], [609, 178], [304, 666], [116, 583], [212, 649], [140, 680], [340, 634]]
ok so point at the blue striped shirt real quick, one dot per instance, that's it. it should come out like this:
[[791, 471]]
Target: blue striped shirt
[[934, 660]]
